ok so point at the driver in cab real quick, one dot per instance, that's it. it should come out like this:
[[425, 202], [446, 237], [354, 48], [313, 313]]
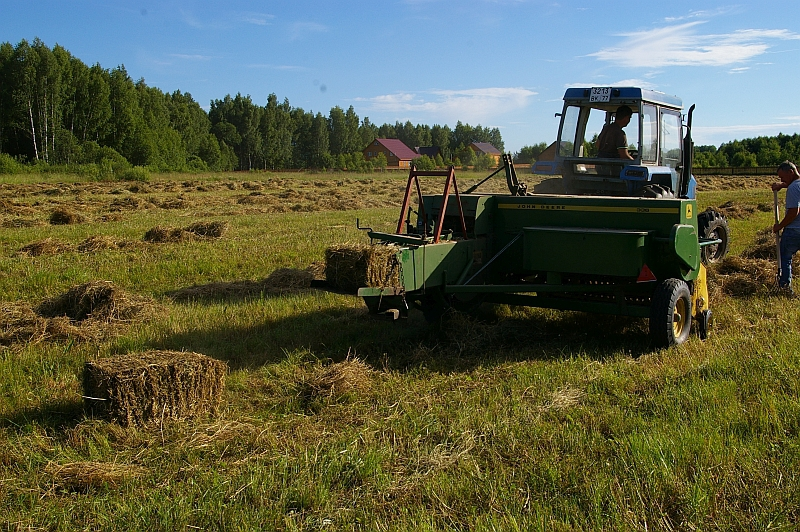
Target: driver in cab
[[612, 143]]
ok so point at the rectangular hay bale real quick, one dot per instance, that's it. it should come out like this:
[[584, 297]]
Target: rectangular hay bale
[[348, 267], [141, 388]]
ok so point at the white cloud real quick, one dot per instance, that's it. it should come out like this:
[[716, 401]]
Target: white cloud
[[701, 14], [259, 19], [630, 82], [470, 106], [682, 45], [192, 57], [288, 68], [298, 30]]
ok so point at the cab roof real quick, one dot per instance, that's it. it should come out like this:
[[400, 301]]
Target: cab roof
[[625, 95]]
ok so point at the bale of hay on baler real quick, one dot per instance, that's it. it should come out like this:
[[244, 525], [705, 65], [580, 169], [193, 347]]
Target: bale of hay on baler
[[348, 267], [141, 388]]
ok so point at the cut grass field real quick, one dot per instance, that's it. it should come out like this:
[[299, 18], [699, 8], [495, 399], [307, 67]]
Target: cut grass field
[[518, 419]]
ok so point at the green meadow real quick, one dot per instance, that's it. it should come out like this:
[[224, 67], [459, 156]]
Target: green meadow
[[513, 419]]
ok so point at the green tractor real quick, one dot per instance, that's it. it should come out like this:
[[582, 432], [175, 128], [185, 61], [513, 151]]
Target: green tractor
[[614, 236]]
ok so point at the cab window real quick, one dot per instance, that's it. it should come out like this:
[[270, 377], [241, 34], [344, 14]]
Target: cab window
[[670, 138], [649, 133]]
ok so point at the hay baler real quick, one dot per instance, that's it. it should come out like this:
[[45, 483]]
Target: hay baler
[[629, 247]]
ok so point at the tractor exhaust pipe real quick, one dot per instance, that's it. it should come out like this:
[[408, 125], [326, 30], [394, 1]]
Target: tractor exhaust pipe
[[688, 155]]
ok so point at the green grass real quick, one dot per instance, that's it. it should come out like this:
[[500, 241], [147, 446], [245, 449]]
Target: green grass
[[523, 419]]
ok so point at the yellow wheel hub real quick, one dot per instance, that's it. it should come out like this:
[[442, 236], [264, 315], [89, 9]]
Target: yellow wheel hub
[[680, 317]]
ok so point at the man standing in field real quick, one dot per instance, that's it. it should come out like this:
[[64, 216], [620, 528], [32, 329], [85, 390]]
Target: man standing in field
[[790, 239]]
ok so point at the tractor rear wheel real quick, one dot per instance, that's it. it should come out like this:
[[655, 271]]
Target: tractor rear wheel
[[670, 313], [712, 224]]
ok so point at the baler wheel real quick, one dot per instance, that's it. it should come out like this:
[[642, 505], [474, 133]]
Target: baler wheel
[[671, 313], [712, 224]]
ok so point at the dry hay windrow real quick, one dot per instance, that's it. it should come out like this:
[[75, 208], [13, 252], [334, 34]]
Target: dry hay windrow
[[16, 223], [21, 324], [102, 242], [83, 477], [351, 266], [733, 182], [208, 229], [341, 379], [65, 216], [751, 273], [48, 246], [160, 234], [153, 386], [100, 301], [739, 211]]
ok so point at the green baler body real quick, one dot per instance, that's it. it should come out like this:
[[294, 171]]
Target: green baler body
[[568, 252]]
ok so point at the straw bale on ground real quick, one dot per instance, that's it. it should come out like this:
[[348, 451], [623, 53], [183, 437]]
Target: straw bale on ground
[[154, 386], [48, 246], [351, 266], [85, 476]]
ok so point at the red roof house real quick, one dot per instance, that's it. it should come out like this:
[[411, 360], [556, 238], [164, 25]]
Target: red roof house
[[397, 154], [484, 148]]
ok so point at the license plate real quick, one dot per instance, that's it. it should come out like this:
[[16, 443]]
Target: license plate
[[600, 94]]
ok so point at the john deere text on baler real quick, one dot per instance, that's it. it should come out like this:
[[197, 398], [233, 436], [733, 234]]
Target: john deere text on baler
[[623, 238]]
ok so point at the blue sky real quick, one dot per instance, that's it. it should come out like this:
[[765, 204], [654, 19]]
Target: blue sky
[[497, 63]]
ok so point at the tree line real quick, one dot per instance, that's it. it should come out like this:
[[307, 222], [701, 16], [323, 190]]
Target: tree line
[[56, 110], [758, 151]]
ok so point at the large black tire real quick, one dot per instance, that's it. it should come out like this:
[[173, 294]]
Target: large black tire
[[670, 313], [712, 224]]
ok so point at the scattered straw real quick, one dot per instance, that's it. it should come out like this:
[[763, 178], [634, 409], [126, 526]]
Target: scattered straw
[[48, 246], [208, 229], [98, 300], [735, 210], [351, 376], [565, 397], [753, 272], [280, 281], [101, 243], [19, 323], [317, 270], [351, 266], [86, 476], [159, 234], [64, 216], [154, 386]]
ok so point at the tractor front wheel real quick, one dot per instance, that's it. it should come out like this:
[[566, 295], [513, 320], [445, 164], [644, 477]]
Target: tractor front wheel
[[670, 313]]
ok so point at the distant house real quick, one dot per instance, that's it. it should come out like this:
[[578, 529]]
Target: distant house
[[484, 148], [430, 151], [398, 155]]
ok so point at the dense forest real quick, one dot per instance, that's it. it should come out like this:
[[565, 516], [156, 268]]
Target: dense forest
[[57, 111]]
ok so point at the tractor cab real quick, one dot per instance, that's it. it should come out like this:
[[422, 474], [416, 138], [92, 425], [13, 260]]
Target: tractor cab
[[657, 141]]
